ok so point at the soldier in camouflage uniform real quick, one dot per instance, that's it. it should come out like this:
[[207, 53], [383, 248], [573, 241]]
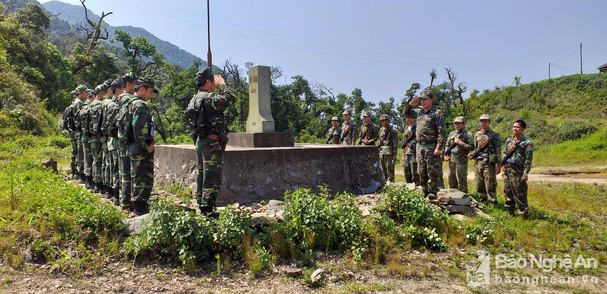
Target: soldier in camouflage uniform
[[95, 139], [111, 131], [369, 133], [106, 160], [124, 168], [459, 144], [205, 114], [69, 119], [334, 131], [388, 146], [487, 143], [518, 155], [348, 129], [140, 135], [84, 119], [81, 94], [430, 137], [409, 152]]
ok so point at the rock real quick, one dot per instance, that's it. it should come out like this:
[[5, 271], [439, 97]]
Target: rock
[[476, 211], [277, 204], [460, 217], [316, 275], [293, 272], [458, 209], [466, 201], [451, 193], [260, 218], [135, 225], [365, 213]]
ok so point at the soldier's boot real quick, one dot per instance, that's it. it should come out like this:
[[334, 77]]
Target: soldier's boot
[[75, 176], [82, 178], [97, 188], [89, 183], [109, 192], [140, 207], [116, 196], [209, 212]]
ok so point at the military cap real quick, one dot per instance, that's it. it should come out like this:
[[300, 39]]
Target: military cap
[[347, 111], [383, 117], [366, 113], [459, 119], [128, 77], [94, 91], [81, 88], [116, 84], [108, 81], [426, 94], [147, 82], [204, 75], [335, 118], [73, 92], [484, 116]]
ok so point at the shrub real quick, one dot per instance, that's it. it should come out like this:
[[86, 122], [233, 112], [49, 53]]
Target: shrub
[[409, 207], [230, 229], [59, 142], [308, 219], [573, 130]]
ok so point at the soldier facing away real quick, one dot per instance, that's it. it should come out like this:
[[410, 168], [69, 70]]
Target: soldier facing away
[[140, 135], [518, 156], [84, 119], [334, 131], [409, 150], [388, 146], [430, 137], [348, 129], [205, 114], [368, 132], [124, 169], [487, 156], [459, 145], [69, 124]]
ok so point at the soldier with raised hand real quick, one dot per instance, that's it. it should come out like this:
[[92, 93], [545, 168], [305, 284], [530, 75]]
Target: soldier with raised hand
[[518, 156], [388, 146], [205, 114], [409, 152], [368, 132], [124, 169], [459, 144], [95, 139], [334, 131], [348, 129], [430, 136], [487, 156], [140, 136]]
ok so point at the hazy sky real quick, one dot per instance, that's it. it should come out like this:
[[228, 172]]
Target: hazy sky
[[383, 46]]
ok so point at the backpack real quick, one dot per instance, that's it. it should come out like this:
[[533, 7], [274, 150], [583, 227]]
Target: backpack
[[195, 116], [96, 119], [68, 118], [123, 122], [110, 128]]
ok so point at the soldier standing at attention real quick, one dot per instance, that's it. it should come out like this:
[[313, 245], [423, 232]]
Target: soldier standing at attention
[[111, 130], [205, 114], [124, 99], [487, 156], [81, 94], [388, 146], [69, 124], [348, 129], [368, 132], [430, 137], [86, 135], [518, 156], [409, 160], [334, 131], [95, 139], [140, 135], [459, 145], [106, 164]]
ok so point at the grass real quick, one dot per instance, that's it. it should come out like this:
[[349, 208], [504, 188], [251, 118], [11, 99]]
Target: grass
[[590, 149]]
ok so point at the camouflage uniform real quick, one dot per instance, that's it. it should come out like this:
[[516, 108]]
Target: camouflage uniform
[[348, 135], [410, 162], [370, 132], [106, 160], [486, 181], [430, 135], [458, 161], [142, 163], [69, 124], [96, 149], [388, 146], [86, 144], [334, 134], [517, 165], [111, 131], [211, 140], [124, 169]]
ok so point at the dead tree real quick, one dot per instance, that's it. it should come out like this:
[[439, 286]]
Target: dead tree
[[456, 93], [93, 34]]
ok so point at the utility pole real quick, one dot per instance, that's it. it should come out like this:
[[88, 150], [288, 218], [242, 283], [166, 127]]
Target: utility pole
[[548, 70], [581, 68], [209, 54]]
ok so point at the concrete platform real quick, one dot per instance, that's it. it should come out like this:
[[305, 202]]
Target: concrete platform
[[261, 140], [254, 174]]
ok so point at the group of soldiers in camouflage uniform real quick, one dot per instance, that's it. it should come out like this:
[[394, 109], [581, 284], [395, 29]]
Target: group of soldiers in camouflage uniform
[[112, 134], [426, 145]]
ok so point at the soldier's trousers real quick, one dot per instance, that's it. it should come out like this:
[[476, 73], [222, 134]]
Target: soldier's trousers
[[458, 175], [74, 157], [142, 175], [125, 176], [486, 181], [114, 175], [387, 164], [209, 164], [97, 161], [441, 174], [411, 175], [88, 159], [427, 168], [105, 164], [515, 192]]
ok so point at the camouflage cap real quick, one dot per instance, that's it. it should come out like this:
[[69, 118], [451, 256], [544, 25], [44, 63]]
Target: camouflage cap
[[347, 111], [485, 117], [366, 113], [459, 119], [147, 82], [384, 117], [82, 88], [204, 75], [426, 94], [73, 93], [128, 78], [335, 118], [116, 84]]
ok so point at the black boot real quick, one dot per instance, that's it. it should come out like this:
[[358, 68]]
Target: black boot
[[140, 207], [116, 194], [97, 188], [89, 183], [75, 176], [109, 192], [208, 211]]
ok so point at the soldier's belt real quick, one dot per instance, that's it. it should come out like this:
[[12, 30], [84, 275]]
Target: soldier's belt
[[213, 136], [427, 142]]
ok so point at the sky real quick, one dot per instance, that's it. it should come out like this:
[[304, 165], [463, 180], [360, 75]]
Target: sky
[[382, 46]]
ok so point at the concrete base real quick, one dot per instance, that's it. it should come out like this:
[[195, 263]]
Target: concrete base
[[254, 174], [261, 140]]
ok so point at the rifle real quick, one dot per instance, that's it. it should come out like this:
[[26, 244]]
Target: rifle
[[448, 150], [360, 140], [344, 134], [330, 137], [481, 148], [509, 154]]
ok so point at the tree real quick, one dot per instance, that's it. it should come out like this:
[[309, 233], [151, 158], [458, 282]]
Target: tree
[[143, 58], [93, 34]]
